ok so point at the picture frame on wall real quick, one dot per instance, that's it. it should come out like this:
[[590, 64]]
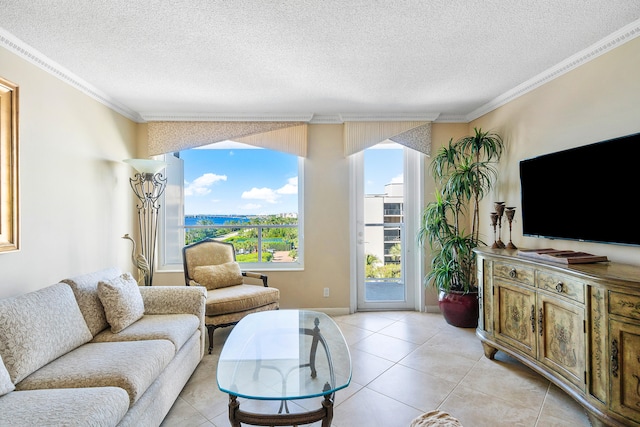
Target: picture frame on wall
[[9, 207]]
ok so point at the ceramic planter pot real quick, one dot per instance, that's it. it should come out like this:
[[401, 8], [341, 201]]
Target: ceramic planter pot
[[459, 309]]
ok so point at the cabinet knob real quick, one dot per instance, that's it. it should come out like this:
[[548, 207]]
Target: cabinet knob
[[559, 287], [513, 273]]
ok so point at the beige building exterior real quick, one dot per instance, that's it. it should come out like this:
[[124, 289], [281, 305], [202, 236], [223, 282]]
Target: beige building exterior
[[383, 218]]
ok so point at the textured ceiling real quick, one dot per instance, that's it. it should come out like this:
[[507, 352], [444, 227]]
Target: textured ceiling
[[445, 59]]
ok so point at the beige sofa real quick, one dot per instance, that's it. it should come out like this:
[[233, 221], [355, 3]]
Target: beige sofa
[[63, 364]]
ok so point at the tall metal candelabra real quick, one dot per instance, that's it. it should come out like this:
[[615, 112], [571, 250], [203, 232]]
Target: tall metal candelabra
[[494, 224], [499, 207], [510, 211], [148, 186]]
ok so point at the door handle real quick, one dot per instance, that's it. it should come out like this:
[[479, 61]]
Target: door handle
[[614, 358], [532, 318], [540, 321]]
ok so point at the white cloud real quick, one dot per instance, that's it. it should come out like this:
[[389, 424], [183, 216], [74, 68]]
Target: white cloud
[[270, 195], [201, 185], [397, 179], [266, 194], [291, 187]]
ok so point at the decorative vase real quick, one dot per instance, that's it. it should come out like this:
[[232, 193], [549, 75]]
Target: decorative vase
[[459, 309]]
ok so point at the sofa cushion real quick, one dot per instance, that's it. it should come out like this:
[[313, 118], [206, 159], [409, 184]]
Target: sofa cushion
[[177, 328], [5, 380], [239, 298], [122, 301], [130, 365], [99, 406], [218, 276], [37, 327], [85, 288]]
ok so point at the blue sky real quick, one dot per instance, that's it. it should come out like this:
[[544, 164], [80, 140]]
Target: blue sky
[[382, 166], [252, 181]]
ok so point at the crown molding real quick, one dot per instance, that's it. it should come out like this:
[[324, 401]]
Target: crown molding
[[33, 56], [326, 119], [605, 45], [389, 117], [291, 117], [373, 117], [452, 118], [227, 117]]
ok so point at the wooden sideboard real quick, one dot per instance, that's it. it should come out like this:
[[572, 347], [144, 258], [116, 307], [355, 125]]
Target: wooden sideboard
[[578, 325]]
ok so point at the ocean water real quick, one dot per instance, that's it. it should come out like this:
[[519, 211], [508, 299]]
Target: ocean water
[[215, 219]]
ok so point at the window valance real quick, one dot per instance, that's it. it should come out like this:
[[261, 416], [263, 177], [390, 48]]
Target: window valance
[[167, 137], [292, 140], [359, 136]]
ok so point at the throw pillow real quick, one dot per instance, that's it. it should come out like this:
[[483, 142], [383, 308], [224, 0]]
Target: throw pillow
[[218, 276], [122, 301], [5, 381], [85, 288]]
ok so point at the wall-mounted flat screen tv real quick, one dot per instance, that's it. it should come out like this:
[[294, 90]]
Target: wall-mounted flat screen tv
[[588, 193]]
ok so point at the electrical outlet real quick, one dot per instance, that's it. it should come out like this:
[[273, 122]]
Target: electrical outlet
[[326, 292]]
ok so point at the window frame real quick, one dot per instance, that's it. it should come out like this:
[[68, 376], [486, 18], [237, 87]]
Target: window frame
[[164, 253]]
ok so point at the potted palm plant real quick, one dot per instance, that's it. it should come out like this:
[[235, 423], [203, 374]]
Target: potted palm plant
[[464, 172]]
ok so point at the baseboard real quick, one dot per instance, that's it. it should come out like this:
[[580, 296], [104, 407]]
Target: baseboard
[[432, 309], [339, 311]]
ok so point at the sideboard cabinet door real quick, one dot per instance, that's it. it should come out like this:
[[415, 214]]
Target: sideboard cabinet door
[[625, 369], [515, 312], [562, 338]]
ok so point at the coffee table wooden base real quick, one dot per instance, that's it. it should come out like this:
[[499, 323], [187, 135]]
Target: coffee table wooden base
[[236, 416]]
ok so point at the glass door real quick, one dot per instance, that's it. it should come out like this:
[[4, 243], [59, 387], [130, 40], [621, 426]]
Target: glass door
[[385, 263]]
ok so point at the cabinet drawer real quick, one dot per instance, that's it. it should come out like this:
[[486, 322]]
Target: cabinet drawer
[[562, 285], [624, 305], [513, 272]]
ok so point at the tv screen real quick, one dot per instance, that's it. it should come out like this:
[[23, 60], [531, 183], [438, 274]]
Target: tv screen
[[588, 193]]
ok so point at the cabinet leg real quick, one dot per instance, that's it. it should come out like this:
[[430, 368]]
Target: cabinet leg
[[489, 352]]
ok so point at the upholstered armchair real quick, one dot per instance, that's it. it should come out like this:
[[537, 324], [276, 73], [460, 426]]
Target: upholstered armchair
[[231, 295]]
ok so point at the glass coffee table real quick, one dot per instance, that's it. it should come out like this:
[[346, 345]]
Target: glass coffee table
[[284, 355]]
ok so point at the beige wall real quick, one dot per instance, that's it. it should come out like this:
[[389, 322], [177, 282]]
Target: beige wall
[[597, 101], [75, 199]]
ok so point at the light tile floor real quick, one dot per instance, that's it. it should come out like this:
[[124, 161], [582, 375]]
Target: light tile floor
[[405, 364]]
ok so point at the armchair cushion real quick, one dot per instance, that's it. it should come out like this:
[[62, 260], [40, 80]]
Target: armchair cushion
[[122, 301], [236, 299], [218, 276], [5, 380]]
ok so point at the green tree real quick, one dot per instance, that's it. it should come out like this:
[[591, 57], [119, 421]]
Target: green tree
[[396, 252]]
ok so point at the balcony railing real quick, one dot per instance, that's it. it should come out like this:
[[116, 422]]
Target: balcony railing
[[393, 212], [253, 243]]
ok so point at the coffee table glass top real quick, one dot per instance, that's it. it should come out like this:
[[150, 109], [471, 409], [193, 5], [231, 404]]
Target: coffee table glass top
[[271, 355]]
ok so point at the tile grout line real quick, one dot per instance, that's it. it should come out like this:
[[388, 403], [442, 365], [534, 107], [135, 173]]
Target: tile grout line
[[458, 384], [546, 395]]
